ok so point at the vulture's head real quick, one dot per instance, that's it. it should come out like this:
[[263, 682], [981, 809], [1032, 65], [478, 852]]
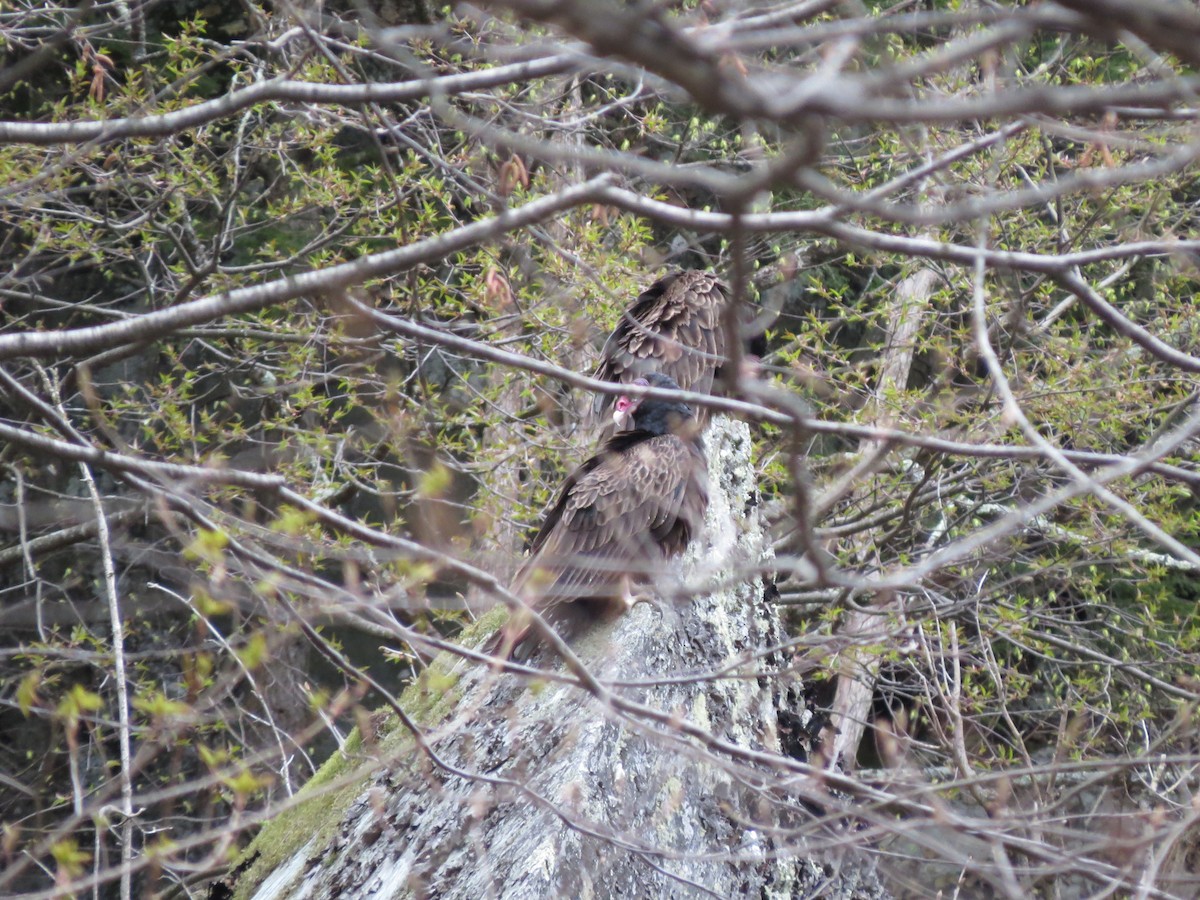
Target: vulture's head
[[651, 414]]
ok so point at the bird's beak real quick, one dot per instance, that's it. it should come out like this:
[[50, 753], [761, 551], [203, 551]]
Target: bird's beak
[[623, 413]]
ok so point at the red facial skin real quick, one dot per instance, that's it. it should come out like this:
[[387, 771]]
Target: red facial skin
[[625, 407], [623, 413]]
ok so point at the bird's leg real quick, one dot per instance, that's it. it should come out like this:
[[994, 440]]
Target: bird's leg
[[630, 598]]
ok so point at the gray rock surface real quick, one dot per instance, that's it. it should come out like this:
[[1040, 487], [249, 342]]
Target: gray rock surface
[[571, 794]]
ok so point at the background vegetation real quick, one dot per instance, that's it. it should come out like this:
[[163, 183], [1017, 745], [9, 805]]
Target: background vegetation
[[296, 309]]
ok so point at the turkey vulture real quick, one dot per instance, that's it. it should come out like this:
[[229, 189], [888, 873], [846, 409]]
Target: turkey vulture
[[618, 516], [674, 327]]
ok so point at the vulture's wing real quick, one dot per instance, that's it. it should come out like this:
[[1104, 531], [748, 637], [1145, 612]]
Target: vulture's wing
[[621, 513], [674, 327]]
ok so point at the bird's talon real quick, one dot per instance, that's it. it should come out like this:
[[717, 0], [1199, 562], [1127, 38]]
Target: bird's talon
[[637, 599]]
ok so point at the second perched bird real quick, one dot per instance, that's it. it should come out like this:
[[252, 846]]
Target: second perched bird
[[618, 517], [674, 328]]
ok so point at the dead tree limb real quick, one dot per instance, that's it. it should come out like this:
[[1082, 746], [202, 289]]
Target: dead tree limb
[[548, 792]]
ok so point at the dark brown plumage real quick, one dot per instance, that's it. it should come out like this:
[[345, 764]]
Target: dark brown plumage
[[622, 513], [674, 327]]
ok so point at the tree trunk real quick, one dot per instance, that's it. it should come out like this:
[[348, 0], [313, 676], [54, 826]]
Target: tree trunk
[[562, 791], [859, 668]]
